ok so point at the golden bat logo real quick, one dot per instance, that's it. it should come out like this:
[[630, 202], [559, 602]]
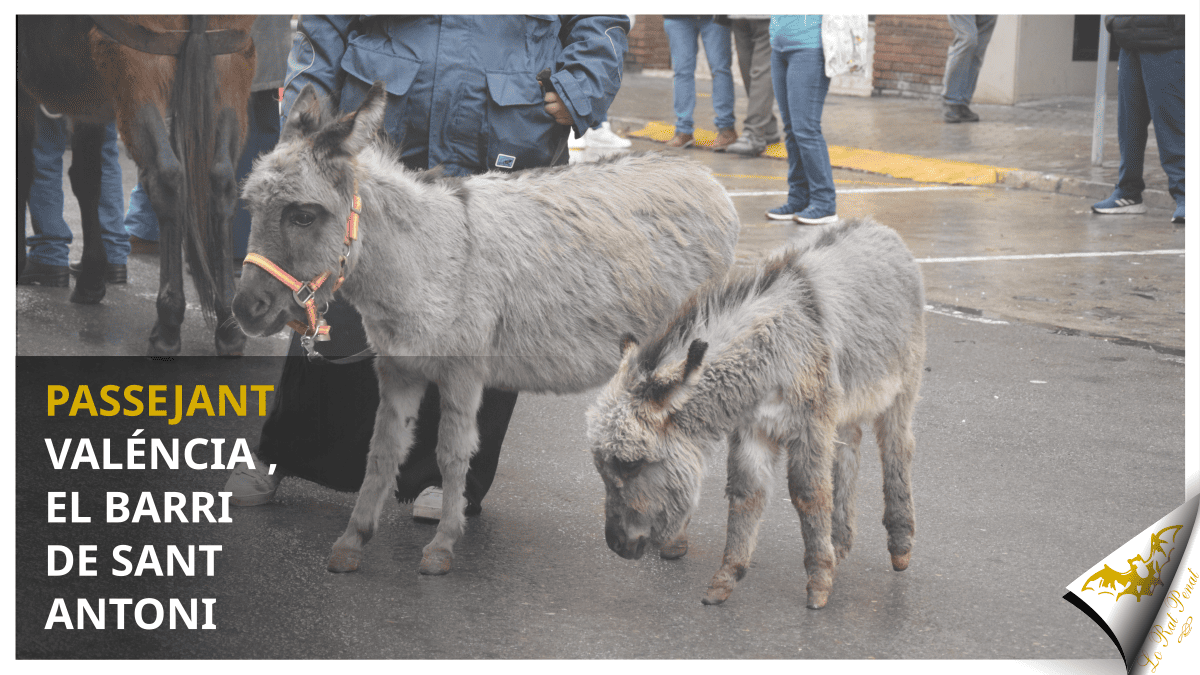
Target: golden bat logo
[[1134, 582]]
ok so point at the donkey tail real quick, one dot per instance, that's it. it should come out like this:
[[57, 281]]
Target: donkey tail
[[205, 233]]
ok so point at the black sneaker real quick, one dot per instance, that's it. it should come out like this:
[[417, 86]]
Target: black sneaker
[[41, 274], [954, 113], [113, 273]]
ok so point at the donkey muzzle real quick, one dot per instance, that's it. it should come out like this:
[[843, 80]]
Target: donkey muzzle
[[622, 545], [259, 310]]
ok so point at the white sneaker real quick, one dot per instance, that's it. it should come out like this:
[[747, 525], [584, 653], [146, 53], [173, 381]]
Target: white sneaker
[[252, 487], [428, 505], [603, 137], [576, 143]]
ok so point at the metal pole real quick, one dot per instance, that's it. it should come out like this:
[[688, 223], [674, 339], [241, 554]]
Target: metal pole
[[1101, 97]]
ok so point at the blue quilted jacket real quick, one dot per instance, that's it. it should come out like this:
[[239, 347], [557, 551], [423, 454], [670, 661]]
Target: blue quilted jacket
[[463, 90]]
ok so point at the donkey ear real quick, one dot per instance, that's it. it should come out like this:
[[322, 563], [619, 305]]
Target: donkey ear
[[368, 119], [304, 117], [695, 356], [628, 341], [355, 131]]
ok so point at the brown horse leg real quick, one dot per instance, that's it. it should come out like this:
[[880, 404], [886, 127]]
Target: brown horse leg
[[229, 338], [162, 177], [87, 140]]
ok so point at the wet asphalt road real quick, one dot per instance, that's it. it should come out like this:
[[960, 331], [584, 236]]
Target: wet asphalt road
[[1041, 448]]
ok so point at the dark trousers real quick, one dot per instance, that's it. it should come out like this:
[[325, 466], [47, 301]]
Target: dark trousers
[[323, 415], [1150, 87]]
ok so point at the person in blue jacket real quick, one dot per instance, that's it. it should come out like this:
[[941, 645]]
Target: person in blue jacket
[[463, 95]]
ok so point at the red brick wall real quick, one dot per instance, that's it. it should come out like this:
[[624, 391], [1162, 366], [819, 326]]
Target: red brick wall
[[910, 54], [648, 47]]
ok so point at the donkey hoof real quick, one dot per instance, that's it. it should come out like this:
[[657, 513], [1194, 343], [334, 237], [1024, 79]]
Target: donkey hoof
[[900, 561], [716, 595], [88, 295], [674, 549], [344, 560], [817, 599], [436, 563]]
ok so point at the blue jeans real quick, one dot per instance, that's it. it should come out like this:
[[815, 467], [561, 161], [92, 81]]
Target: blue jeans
[[51, 241], [682, 32], [140, 219], [262, 132], [972, 32], [800, 88], [1150, 87]]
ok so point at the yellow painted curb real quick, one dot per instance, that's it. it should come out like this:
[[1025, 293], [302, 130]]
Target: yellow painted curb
[[912, 167]]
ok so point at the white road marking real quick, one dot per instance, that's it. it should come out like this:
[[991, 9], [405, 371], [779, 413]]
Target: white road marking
[[1047, 256], [954, 314], [853, 191]]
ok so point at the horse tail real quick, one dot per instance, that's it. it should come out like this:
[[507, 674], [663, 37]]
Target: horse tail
[[205, 237]]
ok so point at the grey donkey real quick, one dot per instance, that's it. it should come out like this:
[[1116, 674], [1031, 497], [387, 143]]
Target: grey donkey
[[784, 360], [523, 281]]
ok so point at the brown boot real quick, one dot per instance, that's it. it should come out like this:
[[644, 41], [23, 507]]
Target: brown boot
[[725, 138], [681, 141]]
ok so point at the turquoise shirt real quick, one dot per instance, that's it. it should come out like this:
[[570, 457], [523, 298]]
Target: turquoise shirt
[[796, 31]]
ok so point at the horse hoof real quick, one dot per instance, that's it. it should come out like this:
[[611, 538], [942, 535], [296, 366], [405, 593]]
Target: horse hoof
[[231, 347], [674, 549], [900, 561], [88, 295], [344, 560], [436, 563], [159, 348]]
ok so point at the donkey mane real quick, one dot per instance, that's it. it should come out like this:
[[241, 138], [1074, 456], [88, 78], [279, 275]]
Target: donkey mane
[[719, 296]]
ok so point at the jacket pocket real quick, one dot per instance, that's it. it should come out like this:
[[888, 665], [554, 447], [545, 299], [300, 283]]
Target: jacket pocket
[[520, 134], [364, 67], [397, 72]]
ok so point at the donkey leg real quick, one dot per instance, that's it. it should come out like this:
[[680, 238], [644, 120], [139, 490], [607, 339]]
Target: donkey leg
[[845, 485], [87, 141], [458, 440], [748, 487], [229, 338], [395, 419], [893, 433], [810, 460], [677, 547]]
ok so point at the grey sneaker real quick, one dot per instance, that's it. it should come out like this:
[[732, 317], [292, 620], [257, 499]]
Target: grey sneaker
[[428, 505], [749, 144], [252, 487], [1119, 205]]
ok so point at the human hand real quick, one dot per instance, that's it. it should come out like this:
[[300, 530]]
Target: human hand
[[557, 109]]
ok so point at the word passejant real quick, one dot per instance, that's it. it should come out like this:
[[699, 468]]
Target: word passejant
[[155, 400]]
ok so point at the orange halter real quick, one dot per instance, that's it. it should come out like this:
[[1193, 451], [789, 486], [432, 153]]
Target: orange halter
[[316, 330]]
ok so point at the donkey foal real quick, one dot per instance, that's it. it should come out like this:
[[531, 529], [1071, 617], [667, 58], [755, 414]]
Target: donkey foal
[[786, 360], [521, 281]]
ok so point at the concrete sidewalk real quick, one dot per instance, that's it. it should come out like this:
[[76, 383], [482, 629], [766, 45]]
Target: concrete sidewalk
[[1043, 145]]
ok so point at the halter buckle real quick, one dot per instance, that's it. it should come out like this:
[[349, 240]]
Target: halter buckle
[[312, 292]]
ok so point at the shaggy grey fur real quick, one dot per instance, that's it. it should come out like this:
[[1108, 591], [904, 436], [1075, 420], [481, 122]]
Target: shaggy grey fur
[[785, 361], [521, 281]]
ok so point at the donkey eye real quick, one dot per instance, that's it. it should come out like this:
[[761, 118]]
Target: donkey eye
[[302, 218], [629, 466]]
